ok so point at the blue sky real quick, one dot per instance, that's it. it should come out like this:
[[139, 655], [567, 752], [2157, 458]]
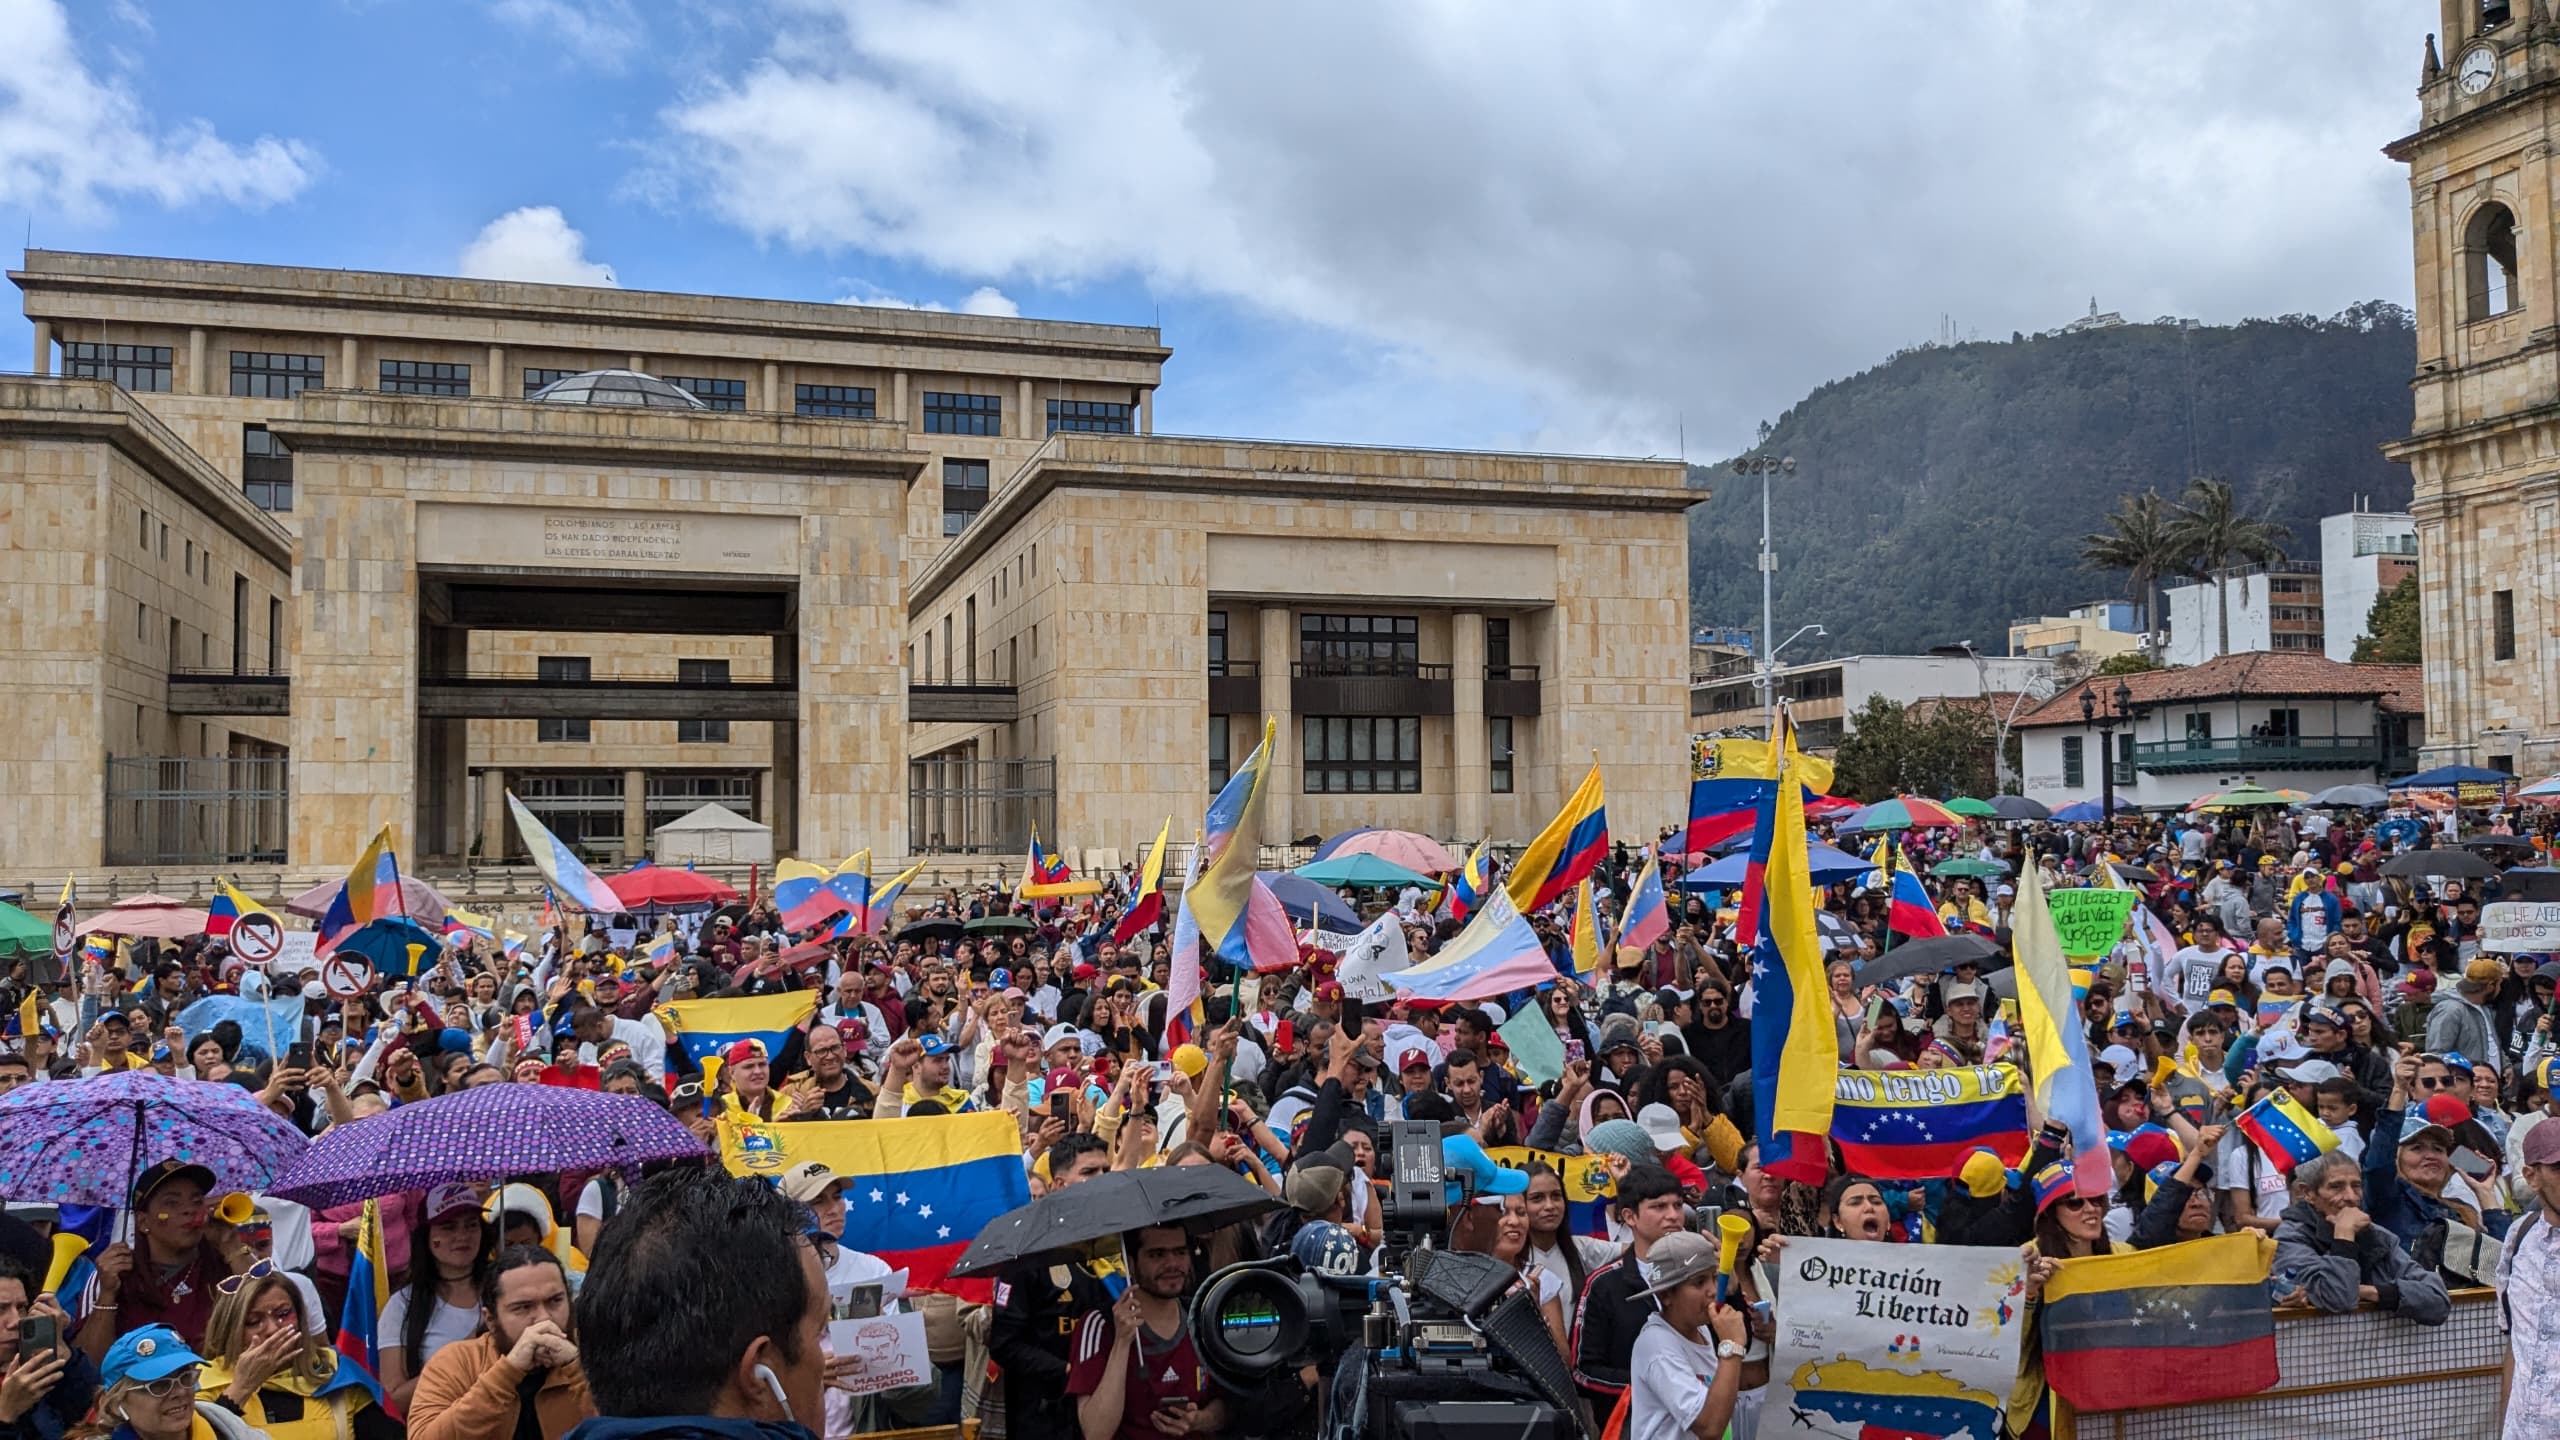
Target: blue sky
[[1584, 226]]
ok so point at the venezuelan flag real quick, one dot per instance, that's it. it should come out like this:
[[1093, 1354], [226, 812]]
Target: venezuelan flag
[[1588, 943], [1729, 780], [1588, 1185], [2285, 1132], [228, 909], [2057, 1040], [884, 902], [1496, 954], [810, 895], [368, 1293], [1909, 911], [1568, 849], [1183, 1012], [1647, 917], [1475, 878], [560, 866], [706, 1027], [1148, 906], [1921, 1124], [2173, 1326], [1795, 1053], [371, 892], [1240, 920], [916, 1191]]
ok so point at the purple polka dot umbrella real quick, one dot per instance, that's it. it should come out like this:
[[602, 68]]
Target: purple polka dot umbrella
[[481, 1135], [82, 1142]]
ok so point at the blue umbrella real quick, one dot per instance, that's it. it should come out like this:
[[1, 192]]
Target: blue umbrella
[[2445, 777], [1333, 843], [1311, 904], [266, 1028], [2084, 813], [1828, 865], [386, 944]]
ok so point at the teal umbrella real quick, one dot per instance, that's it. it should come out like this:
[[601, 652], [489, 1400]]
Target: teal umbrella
[[1980, 869], [386, 945], [22, 933], [1364, 872]]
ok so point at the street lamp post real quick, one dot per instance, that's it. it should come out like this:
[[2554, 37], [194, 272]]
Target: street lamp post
[[1767, 467], [2106, 721]]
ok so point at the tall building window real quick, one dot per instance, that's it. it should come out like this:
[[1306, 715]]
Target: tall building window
[[845, 402], [952, 413], [275, 635], [1220, 767], [964, 493], [1362, 755], [1358, 644], [266, 469], [718, 394], [535, 380], [2502, 625], [1217, 642], [425, 377], [2075, 768], [1498, 752], [702, 732], [563, 670], [1497, 649], [1102, 416], [277, 377], [2489, 262], [969, 609], [135, 367], [240, 623]]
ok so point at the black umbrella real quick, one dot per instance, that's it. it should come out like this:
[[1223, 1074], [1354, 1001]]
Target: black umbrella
[[2448, 864], [2019, 807], [2513, 843], [2540, 885], [1196, 1197], [2135, 874], [931, 932], [1930, 956]]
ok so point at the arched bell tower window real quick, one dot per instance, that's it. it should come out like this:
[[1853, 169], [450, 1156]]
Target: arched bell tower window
[[2489, 263]]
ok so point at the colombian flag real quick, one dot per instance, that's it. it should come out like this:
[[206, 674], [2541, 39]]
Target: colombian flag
[[1568, 849], [916, 1191], [706, 1027], [1909, 911], [1148, 906], [1474, 879], [229, 907], [1921, 1124], [1647, 917], [368, 1293], [371, 892], [884, 901], [2173, 1326], [2285, 1132], [1795, 1053], [1240, 920]]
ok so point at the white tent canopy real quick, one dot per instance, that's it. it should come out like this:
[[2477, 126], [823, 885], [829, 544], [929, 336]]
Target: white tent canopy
[[714, 834]]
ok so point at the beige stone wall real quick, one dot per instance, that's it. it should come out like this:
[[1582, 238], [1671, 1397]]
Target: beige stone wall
[[53, 650]]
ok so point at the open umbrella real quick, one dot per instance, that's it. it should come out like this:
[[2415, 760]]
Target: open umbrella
[[82, 1142], [1334, 843], [2134, 874], [2541, 790], [386, 944], [147, 917], [2506, 849], [1820, 807], [2447, 777], [1197, 1197], [1360, 870], [1828, 865], [990, 924], [2444, 864], [2019, 807], [1967, 865], [1931, 956], [418, 900], [2085, 812], [931, 932], [1966, 805], [483, 1135], [1903, 812], [22, 933], [2246, 797], [1400, 847], [664, 887], [2540, 884], [2351, 797], [1311, 904]]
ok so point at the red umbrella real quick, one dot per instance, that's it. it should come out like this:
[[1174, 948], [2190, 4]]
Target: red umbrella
[[660, 887]]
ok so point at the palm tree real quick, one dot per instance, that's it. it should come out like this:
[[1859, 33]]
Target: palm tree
[[2137, 541], [2211, 531]]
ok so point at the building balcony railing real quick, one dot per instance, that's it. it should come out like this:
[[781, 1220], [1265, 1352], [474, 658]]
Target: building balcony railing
[[2257, 752], [1235, 687], [1512, 691], [1370, 687]]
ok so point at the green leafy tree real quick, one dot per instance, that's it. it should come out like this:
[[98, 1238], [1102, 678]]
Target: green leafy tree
[[2138, 539], [2210, 531], [1939, 751], [2391, 634], [2131, 662]]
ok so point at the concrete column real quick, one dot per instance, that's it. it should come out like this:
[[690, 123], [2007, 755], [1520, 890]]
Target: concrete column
[[44, 347], [354, 730], [1276, 645], [639, 363], [898, 401], [1030, 428], [635, 815], [198, 382], [1147, 411], [494, 819], [773, 390], [496, 385], [348, 379], [1471, 777]]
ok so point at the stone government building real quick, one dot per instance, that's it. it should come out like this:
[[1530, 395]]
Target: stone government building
[[291, 553]]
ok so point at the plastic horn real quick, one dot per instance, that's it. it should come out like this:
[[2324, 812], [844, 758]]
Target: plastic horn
[[234, 1209], [1731, 1231], [67, 1247]]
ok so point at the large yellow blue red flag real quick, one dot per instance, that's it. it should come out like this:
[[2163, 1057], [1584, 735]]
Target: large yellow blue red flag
[[1795, 1052], [1474, 880], [1147, 906], [916, 1191], [1240, 920], [1728, 780], [370, 892], [228, 909], [1568, 849], [1588, 943], [705, 1028], [1496, 954], [2057, 1041]]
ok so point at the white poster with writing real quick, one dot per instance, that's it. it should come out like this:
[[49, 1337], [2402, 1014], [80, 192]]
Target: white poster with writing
[[890, 1346], [1895, 1339]]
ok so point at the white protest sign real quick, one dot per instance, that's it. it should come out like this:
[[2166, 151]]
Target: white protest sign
[[2520, 927], [891, 1348], [297, 953], [1371, 956], [1917, 1339]]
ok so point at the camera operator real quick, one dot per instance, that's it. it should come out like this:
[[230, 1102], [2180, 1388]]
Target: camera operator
[[1135, 1375], [1680, 1386], [1614, 1304]]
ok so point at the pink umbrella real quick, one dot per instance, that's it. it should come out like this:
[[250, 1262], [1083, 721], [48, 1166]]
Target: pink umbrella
[[661, 887], [421, 901], [148, 917], [1401, 847]]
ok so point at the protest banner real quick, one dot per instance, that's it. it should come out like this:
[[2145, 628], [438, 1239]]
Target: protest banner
[[1371, 956], [2520, 927], [1921, 1124], [1909, 1340], [2090, 921]]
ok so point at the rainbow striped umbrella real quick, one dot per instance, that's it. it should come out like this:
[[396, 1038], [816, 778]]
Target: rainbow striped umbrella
[[2246, 797], [1904, 812]]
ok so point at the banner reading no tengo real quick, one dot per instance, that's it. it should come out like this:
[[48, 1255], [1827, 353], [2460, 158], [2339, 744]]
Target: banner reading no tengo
[[1904, 1340]]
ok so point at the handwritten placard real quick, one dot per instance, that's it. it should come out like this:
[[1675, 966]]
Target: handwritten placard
[[2090, 921]]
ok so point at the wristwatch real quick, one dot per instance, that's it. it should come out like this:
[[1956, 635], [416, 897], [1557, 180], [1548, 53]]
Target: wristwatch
[[1727, 1350]]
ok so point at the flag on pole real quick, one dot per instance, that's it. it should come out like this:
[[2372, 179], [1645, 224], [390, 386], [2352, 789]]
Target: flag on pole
[[1496, 954], [1795, 1052], [1568, 849], [1147, 906], [1647, 917], [2284, 1132], [1183, 1011], [2057, 1040], [1588, 943], [368, 1294], [560, 866], [370, 892], [228, 909], [1240, 920], [1907, 907], [1729, 780], [884, 901], [1474, 878]]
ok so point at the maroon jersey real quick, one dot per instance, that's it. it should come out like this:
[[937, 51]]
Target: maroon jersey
[[1158, 1370]]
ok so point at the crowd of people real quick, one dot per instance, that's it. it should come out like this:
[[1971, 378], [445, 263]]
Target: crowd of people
[[688, 1302]]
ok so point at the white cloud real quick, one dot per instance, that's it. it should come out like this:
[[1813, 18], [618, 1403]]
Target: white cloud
[[1633, 213], [988, 300], [602, 33], [73, 142], [985, 300], [534, 243]]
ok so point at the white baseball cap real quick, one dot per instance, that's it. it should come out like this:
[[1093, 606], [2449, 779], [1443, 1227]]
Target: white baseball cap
[[1662, 1123]]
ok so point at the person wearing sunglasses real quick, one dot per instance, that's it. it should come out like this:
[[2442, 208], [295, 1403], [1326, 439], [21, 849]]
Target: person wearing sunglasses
[[151, 1377], [272, 1365]]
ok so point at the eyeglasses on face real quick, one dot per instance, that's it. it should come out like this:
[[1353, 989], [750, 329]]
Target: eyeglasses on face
[[182, 1382], [2437, 1082]]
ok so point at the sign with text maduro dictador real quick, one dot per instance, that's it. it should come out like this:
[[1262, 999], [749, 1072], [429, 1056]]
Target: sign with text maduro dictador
[[1904, 1340]]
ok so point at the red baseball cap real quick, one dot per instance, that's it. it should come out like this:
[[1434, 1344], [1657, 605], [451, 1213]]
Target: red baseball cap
[[743, 1051], [1411, 1058]]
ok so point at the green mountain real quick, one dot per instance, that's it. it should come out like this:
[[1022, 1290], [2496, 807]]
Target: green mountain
[[1943, 493]]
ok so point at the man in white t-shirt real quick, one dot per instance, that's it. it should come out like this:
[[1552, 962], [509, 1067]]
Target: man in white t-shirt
[[1679, 1384], [2195, 969]]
